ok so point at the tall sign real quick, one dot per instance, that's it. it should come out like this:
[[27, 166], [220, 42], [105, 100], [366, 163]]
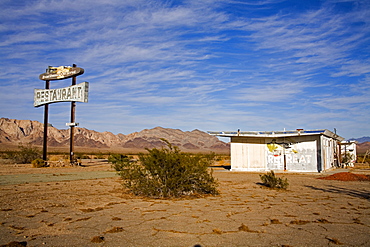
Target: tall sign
[[60, 73], [77, 93], [74, 93]]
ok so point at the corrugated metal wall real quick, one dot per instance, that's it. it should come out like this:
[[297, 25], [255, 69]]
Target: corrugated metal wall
[[248, 154], [300, 153]]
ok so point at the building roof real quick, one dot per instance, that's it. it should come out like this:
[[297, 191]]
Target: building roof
[[349, 142], [285, 133]]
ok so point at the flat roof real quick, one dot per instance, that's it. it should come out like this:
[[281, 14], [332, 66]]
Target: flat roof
[[283, 133]]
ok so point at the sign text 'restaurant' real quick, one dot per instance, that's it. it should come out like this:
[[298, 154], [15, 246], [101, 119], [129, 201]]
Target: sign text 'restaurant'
[[77, 93]]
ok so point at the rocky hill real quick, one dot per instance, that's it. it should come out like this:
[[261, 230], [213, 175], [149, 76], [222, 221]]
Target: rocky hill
[[363, 144], [363, 147], [361, 139], [13, 132]]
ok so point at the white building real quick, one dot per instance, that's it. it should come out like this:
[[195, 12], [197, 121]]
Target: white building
[[298, 150], [349, 153]]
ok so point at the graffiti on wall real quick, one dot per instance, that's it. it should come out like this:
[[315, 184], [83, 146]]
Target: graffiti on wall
[[290, 156]]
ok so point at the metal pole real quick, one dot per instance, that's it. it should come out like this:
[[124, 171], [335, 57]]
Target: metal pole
[[73, 106], [284, 160], [46, 116]]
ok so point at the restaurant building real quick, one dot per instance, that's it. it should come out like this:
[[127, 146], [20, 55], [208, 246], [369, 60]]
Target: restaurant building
[[298, 150]]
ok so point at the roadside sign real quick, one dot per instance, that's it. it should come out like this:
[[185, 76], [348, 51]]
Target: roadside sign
[[77, 93], [60, 73]]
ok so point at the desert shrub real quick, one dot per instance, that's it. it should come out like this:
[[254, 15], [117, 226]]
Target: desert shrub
[[166, 172], [120, 161], [116, 158], [25, 154], [37, 163], [361, 158], [270, 180], [53, 158], [99, 156], [347, 158], [4, 155], [81, 156]]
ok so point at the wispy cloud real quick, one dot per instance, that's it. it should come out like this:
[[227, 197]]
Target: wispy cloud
[[313, 40], [192, 64]]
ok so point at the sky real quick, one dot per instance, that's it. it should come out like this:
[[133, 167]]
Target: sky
[[212, 65]]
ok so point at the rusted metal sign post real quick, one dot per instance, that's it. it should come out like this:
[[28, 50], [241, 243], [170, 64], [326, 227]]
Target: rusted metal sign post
[[74, 93], [46, 116], [72, 126]]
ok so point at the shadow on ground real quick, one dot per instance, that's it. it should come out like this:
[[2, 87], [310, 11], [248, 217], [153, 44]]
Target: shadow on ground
[[364, 194]]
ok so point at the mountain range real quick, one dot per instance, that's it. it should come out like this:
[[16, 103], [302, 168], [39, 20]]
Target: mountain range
[[15, 132], [363, 144], [361, 139]]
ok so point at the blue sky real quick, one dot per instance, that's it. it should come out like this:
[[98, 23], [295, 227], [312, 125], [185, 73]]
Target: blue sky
[[212, 65]]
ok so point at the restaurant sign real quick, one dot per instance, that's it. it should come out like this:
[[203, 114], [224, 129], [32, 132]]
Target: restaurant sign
[[78, 93], [60, 73]]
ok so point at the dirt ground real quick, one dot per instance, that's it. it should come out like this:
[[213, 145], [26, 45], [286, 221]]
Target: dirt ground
[[86, 206]]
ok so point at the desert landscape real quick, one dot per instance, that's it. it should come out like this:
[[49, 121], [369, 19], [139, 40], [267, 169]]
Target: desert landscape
[[163, 123], [87, 206], [15, 132]]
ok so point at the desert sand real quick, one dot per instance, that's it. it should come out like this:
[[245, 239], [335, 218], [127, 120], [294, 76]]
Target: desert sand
[[87, 206]]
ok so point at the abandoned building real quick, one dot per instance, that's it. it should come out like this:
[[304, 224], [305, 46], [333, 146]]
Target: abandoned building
[[298, 150], [349, 152]]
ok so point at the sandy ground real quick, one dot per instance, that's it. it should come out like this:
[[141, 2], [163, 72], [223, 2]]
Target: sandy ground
[[86, 206]]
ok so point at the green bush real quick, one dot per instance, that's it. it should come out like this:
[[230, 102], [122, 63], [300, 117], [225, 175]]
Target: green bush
[[37, 163], [270, 180], [362, 159], [166, 172], [81, 156], [120, 161], [117, 158], [25, 154], [100, 156]]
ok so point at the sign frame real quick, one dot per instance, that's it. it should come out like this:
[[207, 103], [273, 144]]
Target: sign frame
[[60, 73], [74, 93]]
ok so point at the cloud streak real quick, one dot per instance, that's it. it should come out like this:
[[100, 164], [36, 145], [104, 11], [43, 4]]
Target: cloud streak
[[210, 65]]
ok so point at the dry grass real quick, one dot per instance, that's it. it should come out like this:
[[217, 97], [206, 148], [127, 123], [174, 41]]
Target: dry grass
[[115, 230], [97, 239]]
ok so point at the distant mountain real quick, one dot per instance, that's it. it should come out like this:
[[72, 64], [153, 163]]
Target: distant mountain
[[363, 144], [14, 132], [361, 139]]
